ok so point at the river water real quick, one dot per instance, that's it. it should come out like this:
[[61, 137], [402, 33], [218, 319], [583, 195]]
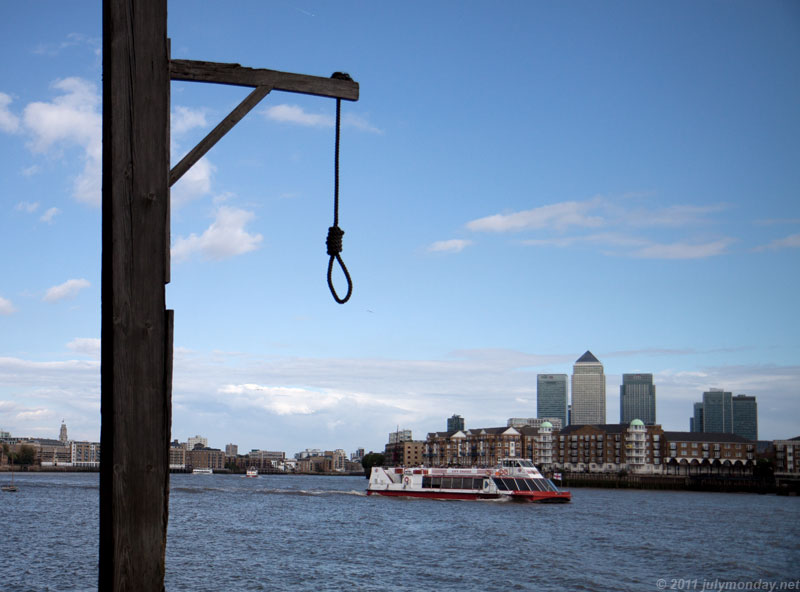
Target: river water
[[285, 532]]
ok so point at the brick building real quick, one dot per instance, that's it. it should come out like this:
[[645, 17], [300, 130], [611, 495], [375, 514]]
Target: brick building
[[787, 456]]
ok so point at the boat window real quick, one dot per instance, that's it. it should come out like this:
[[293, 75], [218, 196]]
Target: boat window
[[524, 485], [501, 485], [436, 482], [550, 485], [538, 484]]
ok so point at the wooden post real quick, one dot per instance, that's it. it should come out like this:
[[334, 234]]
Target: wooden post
[[136, 328]]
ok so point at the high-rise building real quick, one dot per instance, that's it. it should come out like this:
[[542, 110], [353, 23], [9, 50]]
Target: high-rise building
[[696, 422], [62, 436], [551, 396], [717, 412], [400, 436], [588, 391], [455, 423], [720, 412], [192, 442], [231, 449], [745, 417], [637, 399]]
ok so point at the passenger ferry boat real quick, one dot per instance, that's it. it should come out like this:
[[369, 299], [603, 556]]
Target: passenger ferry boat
[[202, 471], [513, 478], [252, 472]]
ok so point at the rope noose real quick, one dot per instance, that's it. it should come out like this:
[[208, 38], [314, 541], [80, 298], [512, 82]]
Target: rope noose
[[335, 234]]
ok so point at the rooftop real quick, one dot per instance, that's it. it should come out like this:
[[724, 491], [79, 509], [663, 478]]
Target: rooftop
[[587, 358]]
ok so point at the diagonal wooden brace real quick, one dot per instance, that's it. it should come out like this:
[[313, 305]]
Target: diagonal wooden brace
[[216, 134], [263, 80]]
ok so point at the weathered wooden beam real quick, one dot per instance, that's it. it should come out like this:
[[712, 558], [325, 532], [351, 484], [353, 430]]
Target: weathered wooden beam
[[216, 134], [235, 74], [136, 328]]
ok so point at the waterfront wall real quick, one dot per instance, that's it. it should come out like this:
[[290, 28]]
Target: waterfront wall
[[672, 482]]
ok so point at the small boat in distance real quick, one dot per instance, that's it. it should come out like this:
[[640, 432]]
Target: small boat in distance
[[202, 472], [513, 479], [252, 472]]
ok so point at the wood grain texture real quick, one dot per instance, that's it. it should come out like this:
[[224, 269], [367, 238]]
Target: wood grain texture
[[235, 74], [136, 341]]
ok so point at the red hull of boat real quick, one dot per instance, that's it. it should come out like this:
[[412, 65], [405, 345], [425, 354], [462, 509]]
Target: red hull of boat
[[546, 497]]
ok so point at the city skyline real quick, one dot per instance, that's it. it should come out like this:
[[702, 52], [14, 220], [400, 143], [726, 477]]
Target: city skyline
[[629, 188]]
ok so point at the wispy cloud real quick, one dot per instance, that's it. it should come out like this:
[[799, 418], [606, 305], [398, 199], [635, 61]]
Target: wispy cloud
[[9, 122], [68, 289], [49, 215], [71, 119], [294, 114], [358, 122], [558, 216], [455, 245], [672, 216], [285, 113], [282, 400], [194, 184], [89, 346], [184, 119], [226, 237], [620, 245], [619, 218], [27, 207], [790, 242], [72, 40], [6, 307], [682, 250]]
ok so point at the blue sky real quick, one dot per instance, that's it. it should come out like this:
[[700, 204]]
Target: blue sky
[[520, 182]]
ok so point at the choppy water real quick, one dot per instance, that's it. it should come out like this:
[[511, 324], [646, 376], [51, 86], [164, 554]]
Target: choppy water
[[322, 533]]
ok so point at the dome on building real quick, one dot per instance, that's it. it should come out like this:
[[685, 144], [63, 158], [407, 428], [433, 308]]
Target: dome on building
[[637, 422], [547, 424]]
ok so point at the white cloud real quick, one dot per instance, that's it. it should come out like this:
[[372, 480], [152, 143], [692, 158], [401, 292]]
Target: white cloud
[[72, 40], [790, 242], [68, 289], [6, 307], [282, 400], [184, 119], [226, 237], [26, 206], [195, 183], [682, 250], [455, 245], [71, 119], [618, 216], [558, 216], [89, 346], [672, 216], [294, 114], [49, 215], [8, 121], [358, 122], [620, 245]]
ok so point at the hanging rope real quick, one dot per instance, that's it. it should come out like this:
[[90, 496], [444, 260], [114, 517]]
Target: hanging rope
[[335, 234]]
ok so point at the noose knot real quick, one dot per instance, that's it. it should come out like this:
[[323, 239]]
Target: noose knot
[[334, 240]]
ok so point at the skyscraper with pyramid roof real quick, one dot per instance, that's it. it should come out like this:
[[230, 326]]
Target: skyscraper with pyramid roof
[[588, 391]]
